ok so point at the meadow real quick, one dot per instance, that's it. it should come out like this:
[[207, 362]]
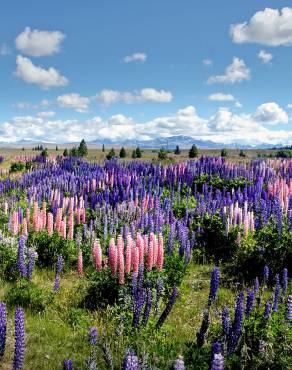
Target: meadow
[[145, 264]]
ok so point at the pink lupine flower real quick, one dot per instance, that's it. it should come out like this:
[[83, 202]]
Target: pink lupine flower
[[120, 247], [145, 243], [113, 257], [160, 256], [27, 215], [150, 256], [83, 215], [128, 256], [71, 226], [97, 255], [121, 267], [155, 250], [80, 263], [24, 227], [135, 259], [50, 223], [78, 216]]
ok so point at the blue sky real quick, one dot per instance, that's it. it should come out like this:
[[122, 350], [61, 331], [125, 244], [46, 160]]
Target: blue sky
[[143, 69]]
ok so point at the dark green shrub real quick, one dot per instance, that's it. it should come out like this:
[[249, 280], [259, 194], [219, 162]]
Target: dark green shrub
[[17, 166], [193, 153]]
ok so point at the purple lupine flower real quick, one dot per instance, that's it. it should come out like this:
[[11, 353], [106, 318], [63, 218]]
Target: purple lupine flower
[[179, 364], [148, 305], [203, 329], [19, 339], [159, 291], [256, 285], [131, 361], [168, 308], [289, 308], [20, 256], [30, 266], [266, 273], [237, 323], [267, 310], [249, 302], [225, 321], [217, 362], [68, 365], [214, 284], [58, 272], [3, 326], [276, 294], [285, 280], [93, 334]]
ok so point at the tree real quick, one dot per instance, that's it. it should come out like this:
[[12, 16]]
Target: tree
[[138, 152], [23, 149], [134, 154], [57, 148], [103, 148], [162, 154], [45, 153], [82, 149], [177, 150], [224, 152], [241, 153], [123, 153], [74, 152], [111, 154], [65, 153], [193, 153]]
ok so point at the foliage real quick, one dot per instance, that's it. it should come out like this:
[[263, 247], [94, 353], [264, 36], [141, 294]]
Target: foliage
[[193, 153], [224, 152], [123, 153], [111, 154], [17, 166], [162, 154], [177, 150]]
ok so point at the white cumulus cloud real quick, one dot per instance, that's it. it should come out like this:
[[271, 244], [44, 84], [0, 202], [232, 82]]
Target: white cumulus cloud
[[221, 97], [265, 56], [237, 71], [74, 101], [270, 27], [38, 43], [270, 113], [44, 78], [46, 114], [136, 57]]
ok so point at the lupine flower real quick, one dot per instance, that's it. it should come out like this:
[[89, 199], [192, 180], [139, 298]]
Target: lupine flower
[[256, 285], [3, 326], [217, 362], [225, 321], [285, 280], [93, 334], [31, 258], [159, 291], [68, 365], [214, 284], [113, 257], [237, 323], [203, 329], [131, 361], [58, 272], [150, 256], [20, 256], [267, 310], [179, 364], [148, 305], [168, 308], [19, 339], [276, 294], [80, 263], [289, 308], [266, 273], [249, 302], [97, 255]]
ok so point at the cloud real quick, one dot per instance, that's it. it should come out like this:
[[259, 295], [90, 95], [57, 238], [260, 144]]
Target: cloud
[[26, 105], [221, 97], [270, 27], [224, 127], [136, 57], [74, 101], [44, 78], [270, 113], [46, 114], [108, 97], [289, 106], [39, 43], [265, 57], [235, 72], [4, 50], [207, 62]]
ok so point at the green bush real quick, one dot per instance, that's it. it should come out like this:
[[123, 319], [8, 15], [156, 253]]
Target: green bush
[[17, 166], [8, 257]]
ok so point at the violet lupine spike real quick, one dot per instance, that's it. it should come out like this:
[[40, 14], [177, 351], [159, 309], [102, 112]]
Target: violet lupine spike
[[203, 329], [249, 302], [214, 284], [68, 365], [179, 364], [289, 308], [285, 280], [168, 308], [217, 362], [237, 323], [276, 294], [267, 310], [30, 266], [148, 305], [3, 328], [19, 333], [266, 273], [131, 361], [20, 256], [58, 273], [225, 317], [93, 334], [159, 291], [256, 285]]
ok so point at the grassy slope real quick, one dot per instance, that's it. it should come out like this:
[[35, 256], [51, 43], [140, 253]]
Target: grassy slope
[[58, 334]]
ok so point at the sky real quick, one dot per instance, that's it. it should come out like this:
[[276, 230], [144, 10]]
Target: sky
[[110, 70]]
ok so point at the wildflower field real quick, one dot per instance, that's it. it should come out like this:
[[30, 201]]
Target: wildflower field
[[146, 265]]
